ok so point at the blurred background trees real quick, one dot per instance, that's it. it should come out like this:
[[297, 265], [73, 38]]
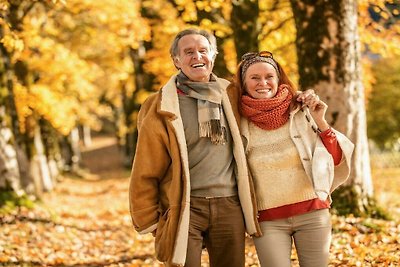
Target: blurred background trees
[[384, 105], [68, 67]]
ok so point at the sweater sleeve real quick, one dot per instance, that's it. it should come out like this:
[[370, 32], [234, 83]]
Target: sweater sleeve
[[331, 143]]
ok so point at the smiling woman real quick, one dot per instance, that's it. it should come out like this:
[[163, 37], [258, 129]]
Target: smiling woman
[[293, 156]]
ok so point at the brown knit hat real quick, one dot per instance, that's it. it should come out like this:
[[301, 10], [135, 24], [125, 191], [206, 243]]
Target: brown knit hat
[[250, 58]]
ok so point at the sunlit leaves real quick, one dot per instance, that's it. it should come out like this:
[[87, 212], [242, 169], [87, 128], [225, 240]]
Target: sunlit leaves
[[380, 36], [12, 43], [55, 108], [230, 55], [64, 93], [188, 9], [165, 23], [278, 34], [23, 102], [81, 48], [76, 53]]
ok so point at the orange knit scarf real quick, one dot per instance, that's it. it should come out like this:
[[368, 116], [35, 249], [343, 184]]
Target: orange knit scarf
[[268, 114]]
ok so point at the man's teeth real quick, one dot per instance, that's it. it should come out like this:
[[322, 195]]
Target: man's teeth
[[197, 65]]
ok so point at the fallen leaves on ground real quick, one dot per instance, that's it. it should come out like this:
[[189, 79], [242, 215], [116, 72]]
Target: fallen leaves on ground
[[87, 223], [81, 224]]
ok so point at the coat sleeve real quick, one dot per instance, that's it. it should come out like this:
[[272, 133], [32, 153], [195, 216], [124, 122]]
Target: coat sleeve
[[327, 176], [342, 171], [150, 165]]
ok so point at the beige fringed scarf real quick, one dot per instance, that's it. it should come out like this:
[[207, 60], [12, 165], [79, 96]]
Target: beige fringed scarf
[[212, 123]]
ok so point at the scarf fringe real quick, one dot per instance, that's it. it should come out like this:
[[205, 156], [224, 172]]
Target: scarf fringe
[[214, 131], [209, 106]]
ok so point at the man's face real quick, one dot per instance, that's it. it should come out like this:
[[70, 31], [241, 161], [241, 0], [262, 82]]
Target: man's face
[[194, 57]]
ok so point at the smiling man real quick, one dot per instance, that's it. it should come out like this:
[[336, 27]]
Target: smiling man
[[189, 183]]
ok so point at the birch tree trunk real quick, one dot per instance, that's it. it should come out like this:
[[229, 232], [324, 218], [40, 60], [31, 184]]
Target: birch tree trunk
[[39, 165], [328, 49], [23, 142], [9, 169]]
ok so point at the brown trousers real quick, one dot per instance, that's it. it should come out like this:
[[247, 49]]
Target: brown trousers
[[218, 224]]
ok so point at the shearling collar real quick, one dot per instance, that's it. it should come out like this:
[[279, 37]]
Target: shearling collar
[[169, 97]]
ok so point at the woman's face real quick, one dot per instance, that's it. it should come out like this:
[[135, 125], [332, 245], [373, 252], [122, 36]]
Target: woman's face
[[261, 80]]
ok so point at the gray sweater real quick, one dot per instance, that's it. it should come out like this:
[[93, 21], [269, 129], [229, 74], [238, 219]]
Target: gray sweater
[[211, 166]]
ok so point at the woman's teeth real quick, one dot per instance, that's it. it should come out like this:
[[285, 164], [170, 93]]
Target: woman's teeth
[[263, 90]]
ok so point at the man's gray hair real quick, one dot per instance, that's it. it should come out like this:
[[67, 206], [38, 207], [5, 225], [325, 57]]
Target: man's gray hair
[[210, 37]]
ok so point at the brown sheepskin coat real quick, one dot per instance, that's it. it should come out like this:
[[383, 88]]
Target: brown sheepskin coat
[[159, 194]]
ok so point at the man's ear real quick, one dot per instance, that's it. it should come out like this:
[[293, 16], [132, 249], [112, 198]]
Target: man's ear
[[177, 62]]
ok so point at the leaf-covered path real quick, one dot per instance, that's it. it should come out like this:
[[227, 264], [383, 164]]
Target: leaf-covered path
[[83, 222], [86, 222]]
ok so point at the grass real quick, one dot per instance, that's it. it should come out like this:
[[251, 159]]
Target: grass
[[10, 200], [387, 189]]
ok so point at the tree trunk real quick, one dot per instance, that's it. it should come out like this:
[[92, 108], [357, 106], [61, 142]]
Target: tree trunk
[[10, 115], [142, 81], [76, 158], [40, 170], [70, 152], [24, 145], [7, 82], [52, 148], [245, 26], [220, 67], [86, 136], [9, 169], [328, 49], [215, 15]]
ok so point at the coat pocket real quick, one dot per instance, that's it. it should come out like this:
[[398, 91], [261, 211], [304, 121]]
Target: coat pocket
[[165, 236]]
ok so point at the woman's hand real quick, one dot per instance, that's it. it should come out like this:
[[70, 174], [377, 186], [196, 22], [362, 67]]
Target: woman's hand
[[316, 106]]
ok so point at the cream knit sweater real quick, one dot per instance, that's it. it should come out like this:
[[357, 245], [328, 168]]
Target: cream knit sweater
[[280, 178]]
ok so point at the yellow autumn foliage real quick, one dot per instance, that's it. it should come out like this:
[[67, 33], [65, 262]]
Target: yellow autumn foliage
[[79, 52], [76, 52]]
